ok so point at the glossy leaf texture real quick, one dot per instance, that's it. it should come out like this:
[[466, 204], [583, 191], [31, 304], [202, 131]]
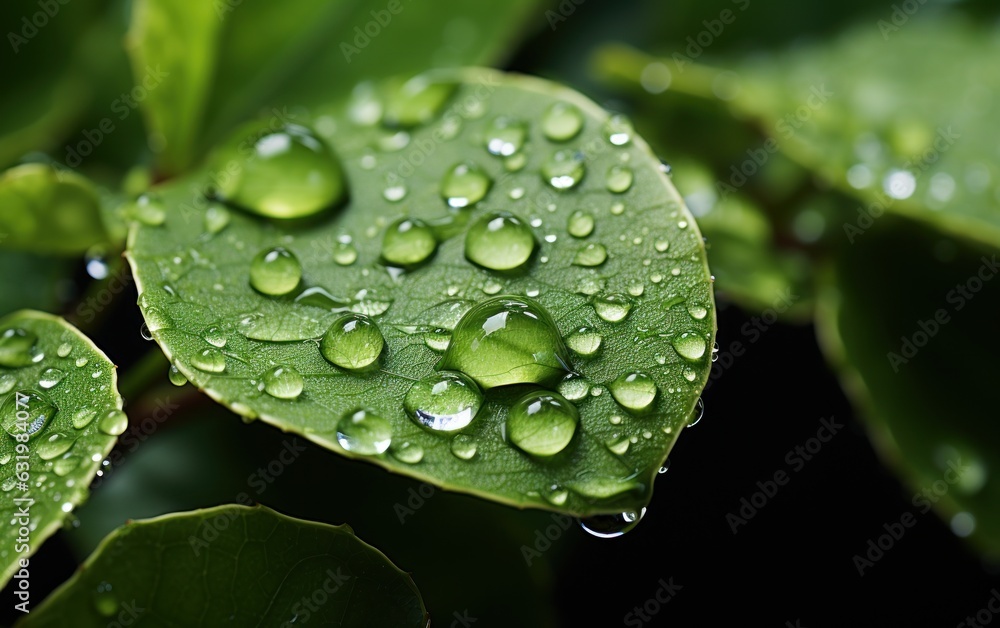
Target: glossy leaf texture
[[238, 59], [49, 211], [234, 565], [61, 413], [603, 298], [903, 312]]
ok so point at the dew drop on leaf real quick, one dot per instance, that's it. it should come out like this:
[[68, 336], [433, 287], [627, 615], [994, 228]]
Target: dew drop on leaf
[[364, 432], [444, 401], [542, 423], [275, 272], [499, 241]]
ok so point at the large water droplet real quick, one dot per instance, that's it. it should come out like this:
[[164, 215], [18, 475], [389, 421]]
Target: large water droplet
[[17, 347], [54, 445], [580, 224], [464, 185], [610, 526], [275, 271], [507, 340], [619, 179], [499, 241], [283, 382], [690, 345], [505, 136], [634, 391], [364, 432], [542, 423], [353, 342], [113, 423], [562, 121], [593, 254], [26, 412], [612, 307], [444, 401], [289, 173], [563, 169], [407, 242]]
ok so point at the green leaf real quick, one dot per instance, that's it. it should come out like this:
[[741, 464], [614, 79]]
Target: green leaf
[[235, 59], [904, 314], [905, 138], [48, 211], [61, 411], [249, 350], [237, 565]]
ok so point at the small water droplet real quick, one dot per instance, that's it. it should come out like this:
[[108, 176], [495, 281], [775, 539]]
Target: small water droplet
[[499, 241], [505, 136], [617, 209], [54, 445], [148, 210], [65, 465], [353, 342], [364, 432], [395, 189], [283, 382], [580, 224], [209, 360], [634, 391], [592, 254], [17, 347], [556, 495], [113, 423], [417, 101], [105, 601], [612, 307], [444, 401], [275, 271], [7, 383], [619, 179], [64, 350], [410, 453], [464, 446], [697, 413], [464, 185], [690, 346], [661, 245], [618, 129], [611, 526], [344, 253], [215, 337], [564, 169], [665, 467], [574, 388], [562, 121], [408, 242], [542, 423], [216, 218], [618, 443], [50, 378], [81, 362], [584, 342], [689, 375], [84, 417], [697, 312]]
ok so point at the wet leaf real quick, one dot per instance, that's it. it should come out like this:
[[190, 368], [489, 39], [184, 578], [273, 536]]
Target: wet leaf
[[902, 313], [61, 412], [308, 327], [233, 564]]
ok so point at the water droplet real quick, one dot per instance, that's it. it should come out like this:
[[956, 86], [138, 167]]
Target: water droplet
[[580, 224], [592, 254], [64, 466], [395, 189], [275, 272], [64, 350], [697, 312], [84, 417], [96, 262], [499, 241], [54, 445], [81, 362], [417, 101], [464, 446], [176, 377], [697, 413], [344, 253], [464, 185], [690, 346], [564, 169], [283, 382], [7, 382], [689, 375], [155, 318], [215, 337], [410, 453], [634, 391], [105, 601], [113, 423], [364, 432], [507, 340], [556, 495], [617, 209], [618, 129], [209, 360], [353, 342], [611, 526], [661, 245], [50, 378], [407, 242], [542, 423], [574, 388], [505, 136], [619, 179], [515, 162], [618, 444], [612, 307], [585, 342], [289, 173], [145, 333], [562, 121], [444, 401], [216, 219], [148, 210], [17, 347]]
